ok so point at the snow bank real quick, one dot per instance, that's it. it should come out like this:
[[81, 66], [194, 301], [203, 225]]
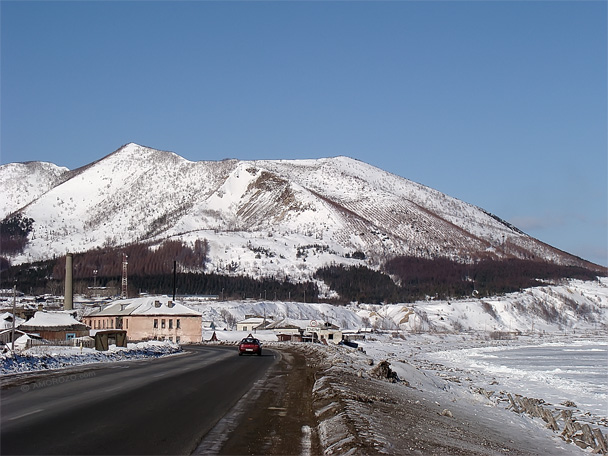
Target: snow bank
[[46, 357]]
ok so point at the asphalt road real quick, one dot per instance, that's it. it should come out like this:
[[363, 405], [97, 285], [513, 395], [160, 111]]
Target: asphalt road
[[160, 406]]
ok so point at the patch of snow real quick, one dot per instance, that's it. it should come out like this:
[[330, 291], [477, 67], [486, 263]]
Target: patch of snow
[[52, 319]]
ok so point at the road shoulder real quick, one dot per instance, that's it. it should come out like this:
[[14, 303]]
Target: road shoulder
[[275, 417]]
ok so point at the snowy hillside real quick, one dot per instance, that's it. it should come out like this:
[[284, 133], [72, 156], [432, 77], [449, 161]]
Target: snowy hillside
[[22, 183], [262, 218], [572, 306]]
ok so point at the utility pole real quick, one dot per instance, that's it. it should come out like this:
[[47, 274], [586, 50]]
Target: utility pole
[[95, 283], [174, 278], [14, 317], [68, 295]]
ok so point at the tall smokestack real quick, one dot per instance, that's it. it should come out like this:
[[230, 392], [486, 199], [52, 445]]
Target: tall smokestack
[[68, 298]]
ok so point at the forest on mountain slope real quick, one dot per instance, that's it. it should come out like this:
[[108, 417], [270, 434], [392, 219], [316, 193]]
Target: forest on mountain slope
[[401, 279], [416, 278], [150, 270], [14, 232]]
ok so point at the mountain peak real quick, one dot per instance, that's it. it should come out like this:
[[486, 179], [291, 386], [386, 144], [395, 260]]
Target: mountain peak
[[261, 218]]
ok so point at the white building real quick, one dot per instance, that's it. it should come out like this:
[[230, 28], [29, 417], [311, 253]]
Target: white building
[[252, 324]]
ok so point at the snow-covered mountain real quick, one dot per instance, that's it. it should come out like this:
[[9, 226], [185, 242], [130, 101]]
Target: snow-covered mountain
[[22, 183], [262, 218]]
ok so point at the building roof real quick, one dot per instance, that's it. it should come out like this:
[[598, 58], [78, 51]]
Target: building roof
[[252, 321], [52, 320], [150, 305], [6, 320], [289, 323]]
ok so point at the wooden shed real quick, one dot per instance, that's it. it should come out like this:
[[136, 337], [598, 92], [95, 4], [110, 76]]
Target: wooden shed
[[59, 325]]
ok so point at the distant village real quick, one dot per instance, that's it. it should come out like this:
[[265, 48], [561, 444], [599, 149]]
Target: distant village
[[101, 323]]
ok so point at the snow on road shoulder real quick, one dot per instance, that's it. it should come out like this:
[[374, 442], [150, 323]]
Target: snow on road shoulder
[[43, 358]]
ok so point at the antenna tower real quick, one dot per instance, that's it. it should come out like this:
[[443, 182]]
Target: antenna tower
[[124, 276]]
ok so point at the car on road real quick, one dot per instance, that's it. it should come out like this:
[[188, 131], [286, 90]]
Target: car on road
[[250, 346]]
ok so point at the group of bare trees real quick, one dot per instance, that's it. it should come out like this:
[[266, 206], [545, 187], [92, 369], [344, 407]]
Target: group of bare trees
[[142, 260]]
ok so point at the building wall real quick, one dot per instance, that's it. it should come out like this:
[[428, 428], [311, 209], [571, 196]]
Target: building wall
[[330, 335], [61, 334], [248, 326], [182, 329]]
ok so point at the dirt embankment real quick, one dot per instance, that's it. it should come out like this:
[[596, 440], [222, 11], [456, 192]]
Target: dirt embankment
[[316, 402]]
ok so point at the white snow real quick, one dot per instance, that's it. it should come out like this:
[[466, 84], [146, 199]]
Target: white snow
[[52, 319], [25, 182], [6, 321]]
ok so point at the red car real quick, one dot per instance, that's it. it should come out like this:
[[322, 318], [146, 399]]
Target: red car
[[250, 346]]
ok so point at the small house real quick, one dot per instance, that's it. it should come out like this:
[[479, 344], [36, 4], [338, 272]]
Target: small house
[[55, 325], [324, 332]]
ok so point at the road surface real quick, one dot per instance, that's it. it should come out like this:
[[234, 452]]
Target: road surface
[[160, 406]]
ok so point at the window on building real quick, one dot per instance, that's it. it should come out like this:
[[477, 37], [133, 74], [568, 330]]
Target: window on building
[[104, 324], [156, 323], [162, 323], [177, 339], [171, 323], [177, 323]]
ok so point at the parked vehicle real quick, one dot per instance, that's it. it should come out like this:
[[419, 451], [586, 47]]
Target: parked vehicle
[[250, 346]]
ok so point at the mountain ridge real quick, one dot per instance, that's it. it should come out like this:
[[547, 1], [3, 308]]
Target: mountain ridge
[[139, 194]]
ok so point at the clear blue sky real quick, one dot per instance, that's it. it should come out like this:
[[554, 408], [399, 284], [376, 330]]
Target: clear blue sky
[[500, 104]]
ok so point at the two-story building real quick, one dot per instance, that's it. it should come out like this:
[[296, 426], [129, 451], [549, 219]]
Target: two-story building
[[149, 318]]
